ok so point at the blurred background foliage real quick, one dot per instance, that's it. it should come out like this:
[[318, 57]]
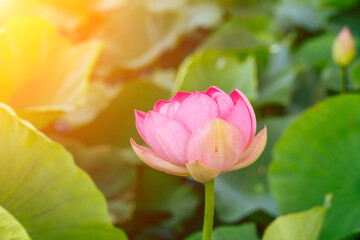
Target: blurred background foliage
[[278, 52]]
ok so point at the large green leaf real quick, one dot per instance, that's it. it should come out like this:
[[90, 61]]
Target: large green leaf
[[116, 124], [242, 192], [245, 231], [44, 190], [210, 67], [297, 226], [317, 155], [10, 228]]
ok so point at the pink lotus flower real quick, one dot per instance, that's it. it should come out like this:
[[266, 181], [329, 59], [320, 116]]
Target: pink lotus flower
[[201, 134]]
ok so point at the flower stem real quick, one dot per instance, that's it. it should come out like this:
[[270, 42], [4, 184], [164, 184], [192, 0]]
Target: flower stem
[[344, 83], [209, 210]]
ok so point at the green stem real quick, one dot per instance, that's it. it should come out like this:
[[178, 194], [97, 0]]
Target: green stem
[[344, 81], [209, 210]]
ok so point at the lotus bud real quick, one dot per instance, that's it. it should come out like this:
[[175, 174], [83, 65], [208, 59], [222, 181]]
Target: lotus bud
[[344, 50]]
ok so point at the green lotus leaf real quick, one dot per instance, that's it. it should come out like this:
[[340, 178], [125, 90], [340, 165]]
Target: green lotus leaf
[[10, 228], [297, 226], [317, 155], [43, 189]]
